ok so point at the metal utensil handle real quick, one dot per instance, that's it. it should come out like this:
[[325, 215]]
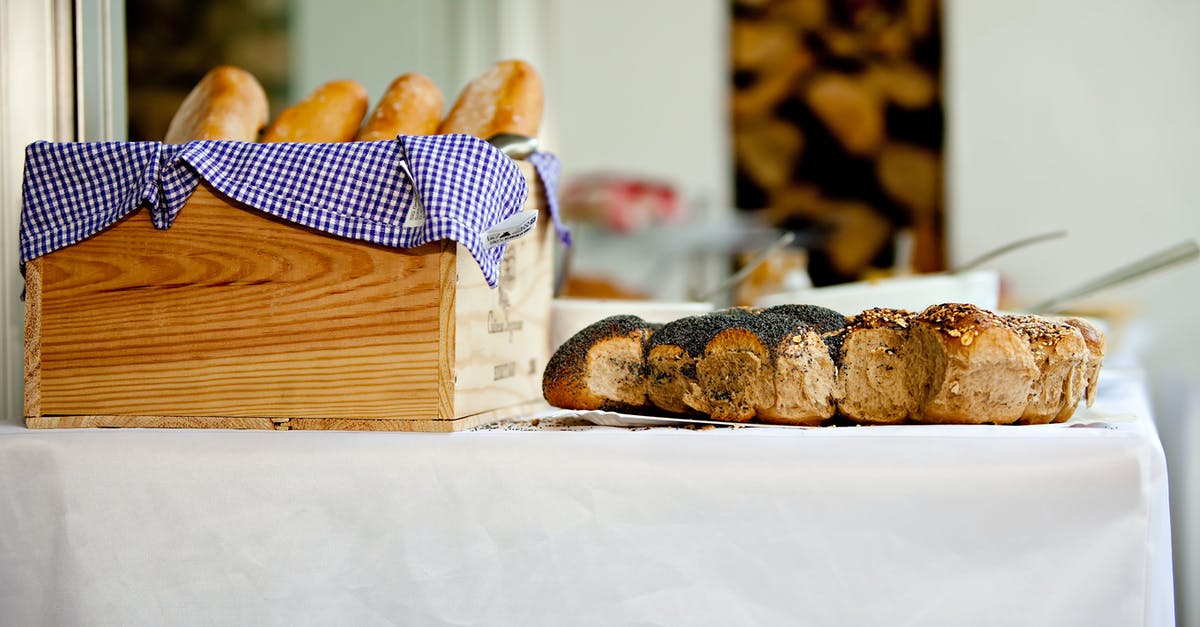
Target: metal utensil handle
[[517, 147], [784, 240], [1005, 249], [562, 274], [1179, 253]]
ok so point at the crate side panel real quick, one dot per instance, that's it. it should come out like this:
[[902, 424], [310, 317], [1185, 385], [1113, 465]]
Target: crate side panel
[[234, 313], [33, 339], [150, 422], [501, 343]]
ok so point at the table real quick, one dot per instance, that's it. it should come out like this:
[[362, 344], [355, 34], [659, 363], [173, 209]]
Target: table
[[907, 525]]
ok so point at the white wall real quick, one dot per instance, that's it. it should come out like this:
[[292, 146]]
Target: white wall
[[374, 41], [642, 86], [1085, 115]]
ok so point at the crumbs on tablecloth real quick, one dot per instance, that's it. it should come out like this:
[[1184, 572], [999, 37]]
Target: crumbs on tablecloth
[[537, 424], [579, 424]]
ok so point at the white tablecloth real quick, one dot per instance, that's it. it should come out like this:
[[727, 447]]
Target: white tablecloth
[[917, 525]]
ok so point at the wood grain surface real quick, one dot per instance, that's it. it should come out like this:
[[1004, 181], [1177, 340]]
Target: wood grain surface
[[33, 333], [156, 422], [232, 313], [502, 335]]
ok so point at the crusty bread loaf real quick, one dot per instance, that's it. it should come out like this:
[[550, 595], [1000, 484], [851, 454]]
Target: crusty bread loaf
[[228, 103], [976, 368], [1094, 339], [1060, 353], [600, 367], [331, 113], [876, 376], [799, 365], [411, 105], [505, 99]]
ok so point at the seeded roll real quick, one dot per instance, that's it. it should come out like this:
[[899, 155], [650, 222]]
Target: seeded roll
[[735, 374], [1060, 353], [1094, 339], [671, 356], [805, 375], [971, 367], [878, 368], [673, 353], [739, 364], [600, 367], [826, 322]]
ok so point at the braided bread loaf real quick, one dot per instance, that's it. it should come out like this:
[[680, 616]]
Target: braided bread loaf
[[800, 364]]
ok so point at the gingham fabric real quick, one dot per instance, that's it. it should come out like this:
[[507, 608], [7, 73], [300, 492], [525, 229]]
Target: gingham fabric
[[356, 189], [547, 167]]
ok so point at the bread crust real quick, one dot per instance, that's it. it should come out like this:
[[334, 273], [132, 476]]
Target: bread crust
[[1096, 345], [600, 367], [979, 369], [411, 105], [331, 113], [1060, 353], [876, 377], [672, 355], [505, 99], [736, 376], [804, 381], [228, 103]]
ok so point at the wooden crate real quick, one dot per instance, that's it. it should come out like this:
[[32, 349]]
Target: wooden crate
[[235, 319]]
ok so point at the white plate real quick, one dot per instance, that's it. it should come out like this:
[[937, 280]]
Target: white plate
[[569, 315], [614, 419], [915, 293]]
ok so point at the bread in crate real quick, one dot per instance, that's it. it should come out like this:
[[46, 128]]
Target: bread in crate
[[321, 286], [234, 318]]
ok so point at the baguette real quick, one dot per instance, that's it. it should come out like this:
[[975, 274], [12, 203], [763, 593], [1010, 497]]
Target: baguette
[[228, 103], [505, 99], [331, 113], [412, 105]]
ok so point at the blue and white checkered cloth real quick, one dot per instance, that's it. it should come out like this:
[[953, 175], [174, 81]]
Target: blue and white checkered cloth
[[356, 189]]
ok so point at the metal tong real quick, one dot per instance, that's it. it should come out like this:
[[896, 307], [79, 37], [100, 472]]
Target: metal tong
[[1177, 254]]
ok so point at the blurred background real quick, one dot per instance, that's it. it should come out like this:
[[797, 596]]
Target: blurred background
[[885, 138]]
